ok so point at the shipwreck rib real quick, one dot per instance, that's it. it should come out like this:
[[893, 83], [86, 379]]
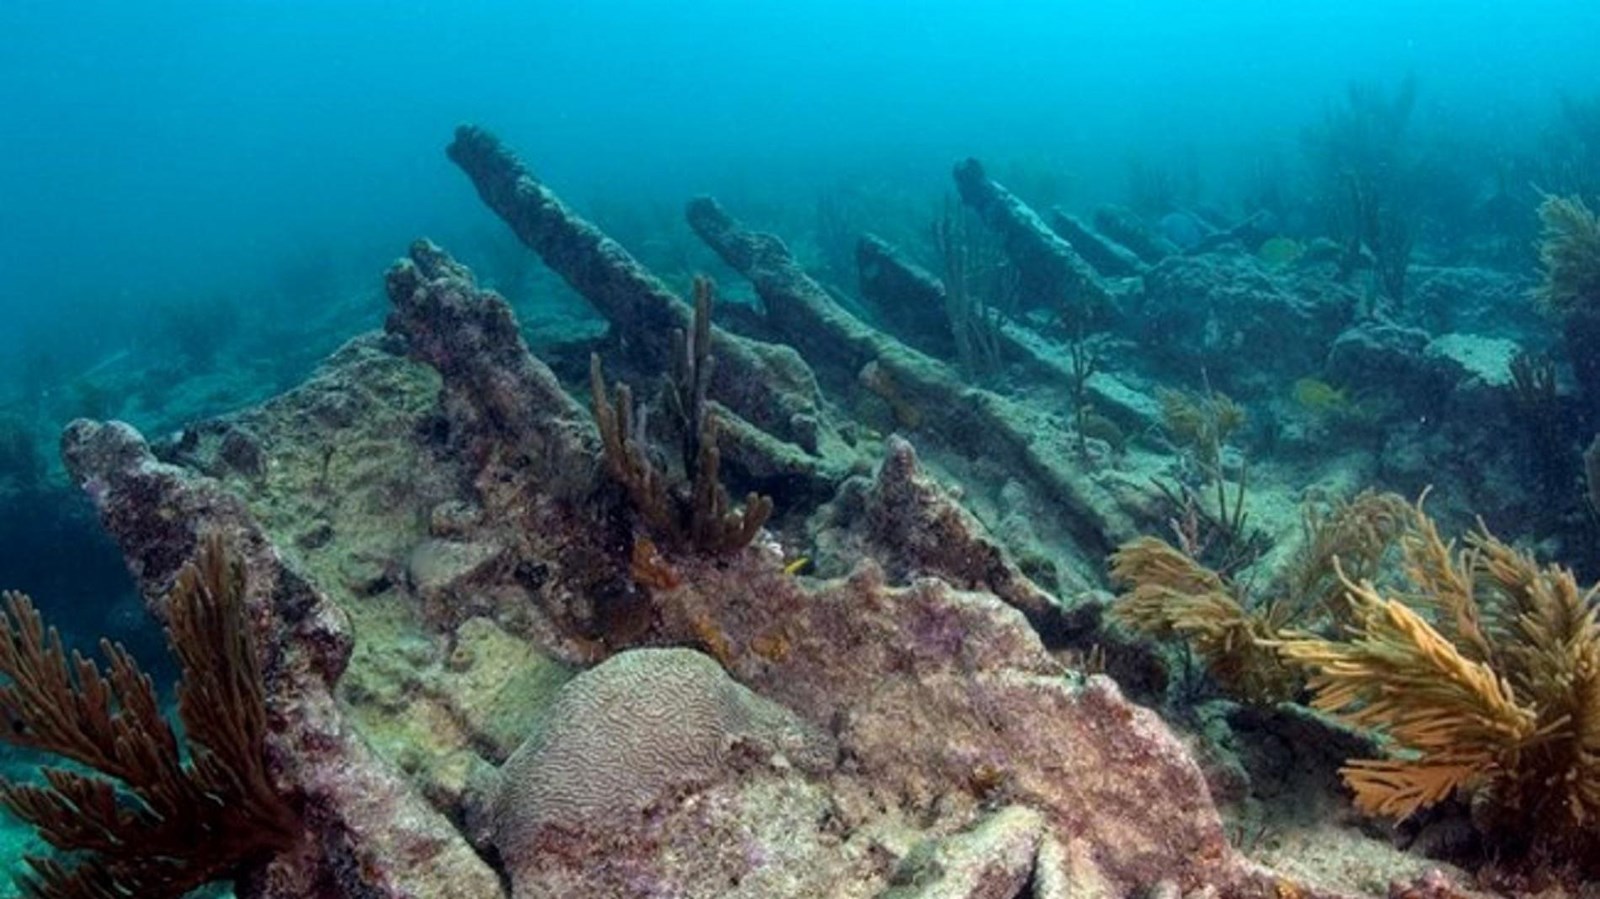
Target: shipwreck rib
[[1108, 257], [909, 299], [764, 385], [913, 304], [371, 834], [471, 338], [1053, 273], [843, 350]]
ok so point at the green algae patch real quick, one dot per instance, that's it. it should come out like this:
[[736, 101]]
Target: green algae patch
[[499, 684]]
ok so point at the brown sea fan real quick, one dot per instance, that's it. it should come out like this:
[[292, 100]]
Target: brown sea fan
[[144, 822]]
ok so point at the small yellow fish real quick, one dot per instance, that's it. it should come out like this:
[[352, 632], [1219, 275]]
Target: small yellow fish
[[798, 565], [1281, 252], [1316, 395]]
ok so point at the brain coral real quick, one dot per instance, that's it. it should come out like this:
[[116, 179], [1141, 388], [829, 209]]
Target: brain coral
[[629, 732]]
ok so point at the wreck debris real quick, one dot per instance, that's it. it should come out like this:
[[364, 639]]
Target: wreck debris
[[1125, 227], [1108, 257], [1054, 274], [916, 529], [763, 384], [369, 834], [970, 420], [471, 338], [909, 299], [944, 702], [969, 759]]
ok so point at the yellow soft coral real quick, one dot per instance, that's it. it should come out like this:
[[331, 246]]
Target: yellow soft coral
[[1168, 593], [1484, 673], [1569, 248]]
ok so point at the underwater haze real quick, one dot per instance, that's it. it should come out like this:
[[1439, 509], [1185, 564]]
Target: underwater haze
[[1167, 312], [160, 151]]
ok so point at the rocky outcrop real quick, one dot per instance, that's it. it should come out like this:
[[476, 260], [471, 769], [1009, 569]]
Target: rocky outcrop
[[1473, 300], [369, 833], [1387, 357], [1226, 313]]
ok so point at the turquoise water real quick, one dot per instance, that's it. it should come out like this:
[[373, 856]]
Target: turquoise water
[[160, 153], [197, 200], [199, 197]]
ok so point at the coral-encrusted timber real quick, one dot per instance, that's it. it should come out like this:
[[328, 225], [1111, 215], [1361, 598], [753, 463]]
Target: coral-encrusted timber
[[969, 420], [914, 526], [766, 387], [909, 299], [1108, 257], [1053, 273], [498, 396], [369, 834]]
